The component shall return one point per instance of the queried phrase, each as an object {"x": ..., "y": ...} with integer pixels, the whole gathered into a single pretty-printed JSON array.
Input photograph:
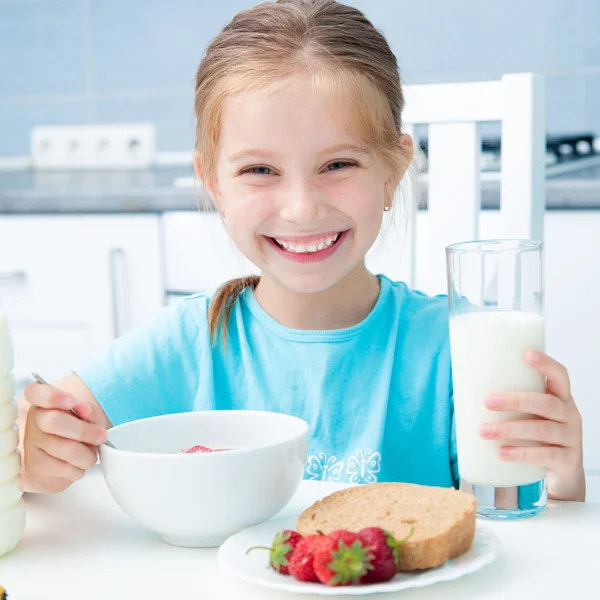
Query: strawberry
[
  {"x": 195, "y": 449},
  {"x": 301, "y": 565},
  {"x": 343, "y": 559},
  {"x": 281, "y": 549},
  {"x": 386, "y": 552},
  {"x": 384, "y": 562},
  {"x": 340, "y": 534}
]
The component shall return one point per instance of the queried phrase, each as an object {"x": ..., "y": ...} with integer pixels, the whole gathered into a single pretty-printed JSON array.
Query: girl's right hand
[{"x": 59, "y": 447}]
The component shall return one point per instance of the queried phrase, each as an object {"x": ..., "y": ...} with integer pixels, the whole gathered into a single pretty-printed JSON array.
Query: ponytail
[{"x": 222, "y": 303}]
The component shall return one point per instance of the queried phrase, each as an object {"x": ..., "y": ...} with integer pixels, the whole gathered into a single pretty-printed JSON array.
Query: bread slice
[{"x": 443, "y": 519}]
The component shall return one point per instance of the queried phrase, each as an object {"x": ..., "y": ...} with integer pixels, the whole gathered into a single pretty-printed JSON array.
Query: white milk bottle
[
  {"x": 12, "y": 507},
  {"x": 496, "y": 315}
]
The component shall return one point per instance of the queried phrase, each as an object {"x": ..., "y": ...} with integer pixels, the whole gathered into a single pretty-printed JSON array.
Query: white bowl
[{"x": 199, "y": 500}]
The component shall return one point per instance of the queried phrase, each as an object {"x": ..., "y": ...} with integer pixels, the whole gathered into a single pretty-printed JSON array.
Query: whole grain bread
[{"x": 443, "y": 519}]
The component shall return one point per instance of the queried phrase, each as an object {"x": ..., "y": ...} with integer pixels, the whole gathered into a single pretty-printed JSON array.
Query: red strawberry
[
  {"x": 280, "y": 551},
  {"x": 340, "y": 534},
  {"x": 342, "y": 560},
  {"x": 301, "y": 562},
  {"x": 195, "y": 449},
  {"x": 384, "y": 561},
  {"x": 386, "y": 551}
]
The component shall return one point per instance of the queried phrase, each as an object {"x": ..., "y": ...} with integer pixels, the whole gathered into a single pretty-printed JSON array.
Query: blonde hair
[{"x": 273, "y": 45}]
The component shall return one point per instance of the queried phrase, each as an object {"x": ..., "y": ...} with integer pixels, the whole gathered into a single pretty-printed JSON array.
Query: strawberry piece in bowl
[{"x": 196, "y": 449}]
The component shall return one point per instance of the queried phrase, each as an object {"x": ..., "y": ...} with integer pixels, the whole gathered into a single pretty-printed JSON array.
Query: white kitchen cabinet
[
  {"x": 40, "y": 265},
  {"x": 199, "y": 257},
  {"x": 71, "y": 284},
  {"x": 124, "y": 276}
]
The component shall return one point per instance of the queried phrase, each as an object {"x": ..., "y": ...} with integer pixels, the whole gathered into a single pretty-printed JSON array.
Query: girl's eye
[
  {"x": 339, "y": 164},
  {"x": 259, "y": 170},
  {"x": 263, "y": 170}
]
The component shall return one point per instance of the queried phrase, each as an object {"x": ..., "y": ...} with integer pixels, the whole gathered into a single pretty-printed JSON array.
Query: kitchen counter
[
  {"x": 550, "y": 556},
  {"x": 172, "y": 188},
  {"x": 129, "y": 191}
]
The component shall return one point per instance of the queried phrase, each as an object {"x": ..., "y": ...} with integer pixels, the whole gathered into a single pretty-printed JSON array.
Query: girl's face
[{"x": 300, "y": 197}]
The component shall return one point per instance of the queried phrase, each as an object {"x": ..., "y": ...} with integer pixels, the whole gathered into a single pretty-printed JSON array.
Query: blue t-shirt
[{"x": 377, "y": 396}]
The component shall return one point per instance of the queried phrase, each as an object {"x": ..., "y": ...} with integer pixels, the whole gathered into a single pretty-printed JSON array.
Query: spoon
[{"x": 41, "y": 380}]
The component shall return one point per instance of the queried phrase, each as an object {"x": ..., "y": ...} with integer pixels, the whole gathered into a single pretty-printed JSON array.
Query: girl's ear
[
  {"x": 198, "y": 168},
  {"x": 208, "y": 186},
  {"x": 408, "y": 146},
  {"x": 408, "y": 151}
]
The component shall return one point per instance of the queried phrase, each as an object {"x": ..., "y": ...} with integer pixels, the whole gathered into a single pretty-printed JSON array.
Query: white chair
[{"x": 454, "y": 114}]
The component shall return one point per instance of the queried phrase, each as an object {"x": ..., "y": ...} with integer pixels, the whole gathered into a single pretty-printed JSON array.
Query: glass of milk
[{"x": 495, "y": 291}]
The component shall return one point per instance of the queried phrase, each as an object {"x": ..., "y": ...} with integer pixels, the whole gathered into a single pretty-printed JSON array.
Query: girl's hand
[
  {"x": 559, "y": 429},
  {"x": 59, "y": 447}
]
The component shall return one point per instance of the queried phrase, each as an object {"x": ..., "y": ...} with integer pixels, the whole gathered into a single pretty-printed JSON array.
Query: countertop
[
  {"x": 172, "y": 188},
  {"x": 152, "y": 190},
  {"x": 80, "y": 544}
]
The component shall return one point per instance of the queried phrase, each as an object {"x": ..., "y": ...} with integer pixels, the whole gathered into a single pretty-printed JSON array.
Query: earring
[{"x": 387, "y": 204}]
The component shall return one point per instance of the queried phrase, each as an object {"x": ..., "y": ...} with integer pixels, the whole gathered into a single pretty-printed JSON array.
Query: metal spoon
[{"x": 41, "y": 380}]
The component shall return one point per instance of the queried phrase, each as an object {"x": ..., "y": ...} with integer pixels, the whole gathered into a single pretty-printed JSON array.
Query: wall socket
[{"x": 122, "y": 146}]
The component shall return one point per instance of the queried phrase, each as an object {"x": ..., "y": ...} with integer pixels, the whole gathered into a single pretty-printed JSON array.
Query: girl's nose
[{"x": 302, "y": 204}]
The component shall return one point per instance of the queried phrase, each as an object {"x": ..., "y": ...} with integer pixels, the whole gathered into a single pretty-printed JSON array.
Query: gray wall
[{"x": 87, "y": 61}]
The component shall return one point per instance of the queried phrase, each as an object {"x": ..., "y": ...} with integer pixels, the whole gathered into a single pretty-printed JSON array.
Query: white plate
[{"x": 254, "y": 567}]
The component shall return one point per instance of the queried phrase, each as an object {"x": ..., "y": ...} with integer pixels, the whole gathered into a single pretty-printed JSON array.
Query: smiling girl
[{"x": 300, "y": 145}]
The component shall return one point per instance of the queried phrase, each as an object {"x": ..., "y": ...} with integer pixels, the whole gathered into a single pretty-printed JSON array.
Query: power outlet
[{"x": 123, "y": 146}]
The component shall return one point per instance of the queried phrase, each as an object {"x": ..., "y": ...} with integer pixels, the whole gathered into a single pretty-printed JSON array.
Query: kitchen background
[
  {"x": 106, "y": 61},
  {"x": 87, "y": 254}
]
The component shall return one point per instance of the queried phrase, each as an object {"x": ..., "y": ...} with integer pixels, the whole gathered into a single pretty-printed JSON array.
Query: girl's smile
[{"x": 308, "y": 249}]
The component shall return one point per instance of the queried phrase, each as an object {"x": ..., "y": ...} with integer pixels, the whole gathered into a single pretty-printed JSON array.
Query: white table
[{"x": 79, "y": 544}]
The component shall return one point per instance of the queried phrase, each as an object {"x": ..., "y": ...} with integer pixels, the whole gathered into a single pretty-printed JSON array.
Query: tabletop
[{"x": 80, "y": 544}]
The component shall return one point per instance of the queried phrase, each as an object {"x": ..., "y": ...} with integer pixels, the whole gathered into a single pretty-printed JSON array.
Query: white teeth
[{"x": 310, "y": 247}]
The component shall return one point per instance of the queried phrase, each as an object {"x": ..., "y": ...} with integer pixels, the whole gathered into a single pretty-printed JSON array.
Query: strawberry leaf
[
  {"x": 395, "y": 544},
  {"x": 280, "y": 550},
  {"x": 349, "y": 564}
]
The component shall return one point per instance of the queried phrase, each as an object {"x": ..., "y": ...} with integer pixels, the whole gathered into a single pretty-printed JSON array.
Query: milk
[
  {"x": 12, "y": 508},
  {"x": 488, "y": 351}
]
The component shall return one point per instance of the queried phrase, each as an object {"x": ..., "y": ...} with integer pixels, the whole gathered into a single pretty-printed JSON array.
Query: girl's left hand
[{"x": 559, "y": 429}]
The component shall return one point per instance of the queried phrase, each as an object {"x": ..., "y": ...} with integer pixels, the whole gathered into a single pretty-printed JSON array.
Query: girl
[{"x": 300, "y": 145}]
